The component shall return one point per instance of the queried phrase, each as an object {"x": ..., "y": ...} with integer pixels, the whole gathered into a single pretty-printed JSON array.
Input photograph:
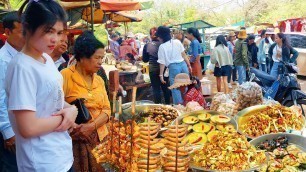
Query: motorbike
[{"x": 289, "y": 91}]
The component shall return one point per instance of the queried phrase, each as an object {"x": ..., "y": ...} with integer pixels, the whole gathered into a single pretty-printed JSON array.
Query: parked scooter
[{"x": 289, "y": 91}]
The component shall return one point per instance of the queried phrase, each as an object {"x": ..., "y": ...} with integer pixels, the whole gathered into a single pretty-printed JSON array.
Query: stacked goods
[
  {"x": 248, "y": 94},
  {"x": 271, "y": 119},
  {"x": 228, "y": 152},
  {"x": 176, "y": 157},
  {"x": 149, "y": 158},
  {"x": 119, "y": 148},
  {"x": 162, "y": 115}
]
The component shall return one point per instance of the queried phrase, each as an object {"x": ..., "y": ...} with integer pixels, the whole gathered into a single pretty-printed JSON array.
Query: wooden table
[{"x": 142, "y": 92}]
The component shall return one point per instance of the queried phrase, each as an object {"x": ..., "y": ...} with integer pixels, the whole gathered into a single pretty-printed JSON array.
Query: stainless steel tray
[
  {"x": 127, "y": 113},
  {"x": 196, "y": 113},
  {"x": 141, "y": 102},
  {"x": 298, "y": 140},
  {"x": 252, "y": 109}
]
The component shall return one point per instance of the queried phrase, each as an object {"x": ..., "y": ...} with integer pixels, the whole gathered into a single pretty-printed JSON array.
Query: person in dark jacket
[
  {"x": 252, "y": 51},
  {"x": 281, "y": 50},
  {"x": 241, "y": 56},
  {"x": 150, "y": 52}
]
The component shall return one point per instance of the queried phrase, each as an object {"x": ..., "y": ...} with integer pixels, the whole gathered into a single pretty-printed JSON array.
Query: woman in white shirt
[
  {"x": 37, "y": 110},
  {"x": 171, "y": 54}
]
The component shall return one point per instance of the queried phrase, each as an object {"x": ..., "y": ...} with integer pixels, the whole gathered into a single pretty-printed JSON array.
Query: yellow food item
[
  {"x": 190, "y": 120},
  {"x": 211, "y": 134},
  {"x": 220, "y": 119},
  {"x": 204, "y": 117},
  {"x": 272, "y": 119},
  {"x": 202, "y": 127},
  {"x": 228, "y": 152},
  {"x": 195, "y": 138}
]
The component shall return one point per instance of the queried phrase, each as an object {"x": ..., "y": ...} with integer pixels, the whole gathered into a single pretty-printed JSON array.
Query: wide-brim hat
[
  {"x": 270, "y": 31},
  {"x": 181, "y": 79},
  {"x": 161, "y": 31},
  {"x": 231, "y": 33},
  {"x": 242, "y": 34},
  {"x": 130, "y": 35}
]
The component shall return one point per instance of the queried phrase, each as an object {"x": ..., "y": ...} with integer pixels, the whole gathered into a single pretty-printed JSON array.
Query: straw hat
[
  {"x": 130, "y": 35},
  {"x": 242, "y": 34},
  {"x": 270, "y": 31},
  {"x": 181, "y": 79},
  {"x": 231, "y": 33}
]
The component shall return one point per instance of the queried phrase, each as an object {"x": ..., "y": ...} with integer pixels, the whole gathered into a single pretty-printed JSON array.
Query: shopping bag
[{"x": 271, "y": 92}]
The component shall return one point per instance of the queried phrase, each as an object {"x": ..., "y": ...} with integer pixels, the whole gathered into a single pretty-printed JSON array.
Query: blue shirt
[
  {"x": 195, "y": 50},
  {"x": 7, "y": 52}
]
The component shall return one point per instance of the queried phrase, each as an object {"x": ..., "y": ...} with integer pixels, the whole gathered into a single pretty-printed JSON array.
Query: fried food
[
  {"x": 273, "y": 119},
  {"x": 228, "y": 152}
]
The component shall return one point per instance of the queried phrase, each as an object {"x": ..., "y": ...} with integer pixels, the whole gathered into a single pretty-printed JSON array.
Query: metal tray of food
[
  {"x": 199, "y": 169},
  {"x": 298, "y": 140},
  {"x": 141, "y": 102},
  {"x": 127, "y": 113},
  {"x": 196, "y": 113},
  {"x": 247, "y": 111}
]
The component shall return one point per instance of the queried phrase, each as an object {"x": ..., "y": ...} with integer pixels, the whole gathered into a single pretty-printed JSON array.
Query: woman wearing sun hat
[
  {"x": 190, "y": 89},
  {"x": 241, "y": 58}
]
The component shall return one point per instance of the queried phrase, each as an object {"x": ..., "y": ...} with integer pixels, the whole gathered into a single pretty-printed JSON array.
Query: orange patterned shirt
[{"x": 96, "y": 100}]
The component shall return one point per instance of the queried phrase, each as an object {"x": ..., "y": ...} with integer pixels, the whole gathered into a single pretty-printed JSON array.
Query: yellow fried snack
[
  {"x": 273, "y": 119},
  {"x": 190, "y": 120},
  {"x": 204, "y": 116},
  {"x": 228, "y": 152}
]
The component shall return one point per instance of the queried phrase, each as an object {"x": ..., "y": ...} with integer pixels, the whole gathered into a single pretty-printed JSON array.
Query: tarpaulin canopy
[
  {"x": 119, "y": 5},
  {"x": 102, "y": 17},
  {"x": 75, "y": 4}
]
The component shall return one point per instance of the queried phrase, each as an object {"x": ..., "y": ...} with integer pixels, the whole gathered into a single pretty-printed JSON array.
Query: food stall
[{"x": 242, "y": 131}]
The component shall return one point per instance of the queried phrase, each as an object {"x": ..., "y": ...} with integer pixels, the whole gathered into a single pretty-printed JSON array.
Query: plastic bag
[
  {"x": 248, "y": 94},
  {"x": 217, "y": 100}
]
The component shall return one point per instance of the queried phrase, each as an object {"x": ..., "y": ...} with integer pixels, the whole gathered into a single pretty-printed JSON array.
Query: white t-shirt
[
  {"x": 274, "y": 55},
  {"x": 32, "y": 85},
  {"x": 170, "y": 52}
]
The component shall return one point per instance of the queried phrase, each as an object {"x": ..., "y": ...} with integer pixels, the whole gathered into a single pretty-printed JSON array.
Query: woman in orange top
[{"x": 81, "y": 81}]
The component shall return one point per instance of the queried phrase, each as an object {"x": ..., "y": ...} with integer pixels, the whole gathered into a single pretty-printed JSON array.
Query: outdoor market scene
[{"x": 152, "y": 85}]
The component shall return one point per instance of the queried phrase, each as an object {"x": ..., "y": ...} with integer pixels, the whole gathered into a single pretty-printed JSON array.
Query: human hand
[
  {"x": 162, "y": 79},
  {"x": 255, "y": 65},
  {"x": 9, "y": 144},
  {"x": 247, "y": 69},
  {"x": 85, "y": 130},
  {"x": 69, "y": 115}
]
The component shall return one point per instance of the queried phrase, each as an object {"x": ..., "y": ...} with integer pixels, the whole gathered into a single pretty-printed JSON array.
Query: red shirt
[{"x": 194, "y": 95}]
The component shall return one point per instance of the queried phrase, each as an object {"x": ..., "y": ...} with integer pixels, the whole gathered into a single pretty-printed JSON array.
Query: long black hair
[
  {"x": 221, "y": 40},
  {"x": 284, "y": 40},
  {"x": 41, "y": 13},
  {"x": 195, "y": 32},
  {"x": 163, "y": 33}
]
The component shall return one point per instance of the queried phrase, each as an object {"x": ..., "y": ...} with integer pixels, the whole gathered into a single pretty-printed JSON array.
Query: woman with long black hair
[
  {"x": 171, "y": 54},
  {"x": 195, "y": 51},
  {"x": 223, "y": 61},
  {"x": 38, "y": 113},
  {"x": 281, "y": 50}
]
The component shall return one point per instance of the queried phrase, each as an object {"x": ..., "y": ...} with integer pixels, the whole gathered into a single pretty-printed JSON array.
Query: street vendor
[{"x": 189, "y": 88}]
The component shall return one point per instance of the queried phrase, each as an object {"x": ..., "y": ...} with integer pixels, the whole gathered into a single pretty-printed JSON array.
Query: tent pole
[{"x": 92, "y": 15}]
